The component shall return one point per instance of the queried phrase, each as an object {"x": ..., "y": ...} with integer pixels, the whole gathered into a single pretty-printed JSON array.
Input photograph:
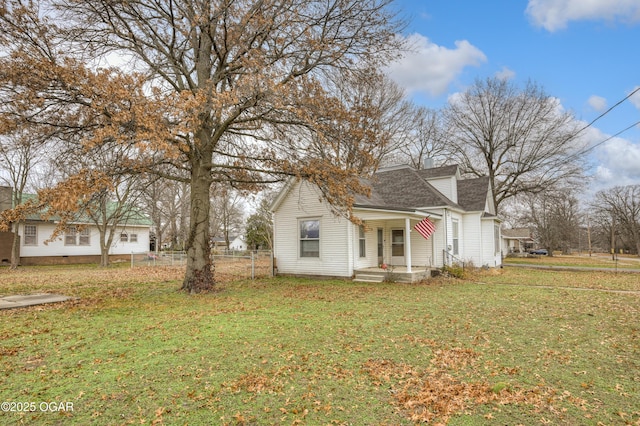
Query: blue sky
[{"x": 585, "y": 53}]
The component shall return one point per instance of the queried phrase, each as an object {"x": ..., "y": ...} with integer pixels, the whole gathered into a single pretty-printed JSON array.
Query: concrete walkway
[{"x": 21, "y": 301}]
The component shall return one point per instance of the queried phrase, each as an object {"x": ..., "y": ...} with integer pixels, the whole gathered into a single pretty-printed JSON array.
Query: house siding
[
  {"x": 447, "y": 186},
  {"x": 335, "y": 256},
  {"x": 473, "y": 239},
  {"x": 371, "y": 244},
  {"x": 492, "y": 258}
]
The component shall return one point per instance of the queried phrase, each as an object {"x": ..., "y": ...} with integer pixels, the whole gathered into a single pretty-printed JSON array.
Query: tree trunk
[
  {"x": 104, "y": 247},
  {"x": 199, "y": 276},
  {"x": 104, "y": 257},
  {"x": 15, "y": 247}
]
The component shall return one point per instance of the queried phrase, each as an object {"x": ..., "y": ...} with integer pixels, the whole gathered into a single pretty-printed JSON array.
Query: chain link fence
[{"x": 228, "y": 265}]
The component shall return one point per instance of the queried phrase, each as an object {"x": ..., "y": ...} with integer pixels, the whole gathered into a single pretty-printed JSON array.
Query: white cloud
[
  {"x": 598, "y": 103},
  {"x": 554, "y": 15},
  {"x": 430, "y": 68},
  {"x": 505, "y": 74},
  {"x": 619, "y": 163}
]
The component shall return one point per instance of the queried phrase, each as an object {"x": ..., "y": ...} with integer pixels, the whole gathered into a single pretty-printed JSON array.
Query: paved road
[{"x": 21, "y": 301}]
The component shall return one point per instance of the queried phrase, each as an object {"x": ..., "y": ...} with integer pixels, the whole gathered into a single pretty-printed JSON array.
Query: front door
[{"x": 397, "y": 247}]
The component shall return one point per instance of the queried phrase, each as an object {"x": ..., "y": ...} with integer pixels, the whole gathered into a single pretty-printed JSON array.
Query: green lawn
[{"x": 499, "y": 348}]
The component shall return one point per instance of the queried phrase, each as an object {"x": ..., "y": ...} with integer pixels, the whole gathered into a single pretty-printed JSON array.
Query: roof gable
[
  {"x": 403, "y": 187},
  {"x": 472, "y": 193}
]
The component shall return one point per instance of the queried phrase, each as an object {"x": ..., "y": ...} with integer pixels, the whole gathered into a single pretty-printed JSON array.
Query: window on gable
[
  {"x": 30, "y": 235},
  {"x": 70, "y": 236},
  {"x": 310, "y": 238}
]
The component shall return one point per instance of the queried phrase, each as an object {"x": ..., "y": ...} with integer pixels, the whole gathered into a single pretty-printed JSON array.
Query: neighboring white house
[
  {"x": 517, "y": 240},
  {"x": 80, "y": 243},
  {"x": 310, "y": 240},
  {"x": 238, "y": 244}
]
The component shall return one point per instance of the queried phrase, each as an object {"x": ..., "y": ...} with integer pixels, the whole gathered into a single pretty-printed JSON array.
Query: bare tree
[
  {"x": 20, "y": 153},
  {"x": 554, "y": 215},
  {"x": 618, "y": 211},
  {"x": 229, "y": 91},
  {"x": 427, "y": 139},
  {"x": 521, "y": 139},
  {"x": 227, "y": 217},
  {"x": 167, "y": 202}
]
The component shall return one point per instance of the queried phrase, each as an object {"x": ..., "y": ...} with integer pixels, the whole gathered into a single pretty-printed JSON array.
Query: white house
[
  {"x": 517, "y": 240},
  {"x": 238, "y": 244},
  {"x": 310, "y": 240},
  {"x": 80, "y": 242}
]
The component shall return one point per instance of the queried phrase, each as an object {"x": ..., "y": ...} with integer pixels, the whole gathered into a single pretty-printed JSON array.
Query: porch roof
[{"x": 401, "y": 212}]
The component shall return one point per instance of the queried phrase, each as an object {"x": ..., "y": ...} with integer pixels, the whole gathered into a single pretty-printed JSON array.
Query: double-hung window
[
  {"x": 70, "y": 236},
  {"x": 30, "y": 235},
  {"x": 74, "y": 236},
  {"x": 84, "y": 239},
  {"x": 455, "y": 227},
  {"x": 362, "y": 241},
  {"x": 309, "y": 238}
]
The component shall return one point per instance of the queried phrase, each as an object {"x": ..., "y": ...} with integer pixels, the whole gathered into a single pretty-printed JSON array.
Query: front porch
[{"x": 398, "y": 274}]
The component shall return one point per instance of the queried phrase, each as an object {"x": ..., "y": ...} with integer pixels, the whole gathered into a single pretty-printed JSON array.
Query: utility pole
[
  {"x": 589, "y": 234},
  {"x": 613, "y": 238}
]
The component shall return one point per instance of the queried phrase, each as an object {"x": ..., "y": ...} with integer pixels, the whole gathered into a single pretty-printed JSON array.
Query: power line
[
  {"x": 584, "y": 151},
  {"x": 637, "y": 89}
]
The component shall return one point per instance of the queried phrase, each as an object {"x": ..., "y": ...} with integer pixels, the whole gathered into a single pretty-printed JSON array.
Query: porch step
[{"x": 369, "y": 278}]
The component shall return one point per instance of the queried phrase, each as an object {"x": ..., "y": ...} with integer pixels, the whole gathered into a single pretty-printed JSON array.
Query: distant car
[{"x": 542, "y": 252}]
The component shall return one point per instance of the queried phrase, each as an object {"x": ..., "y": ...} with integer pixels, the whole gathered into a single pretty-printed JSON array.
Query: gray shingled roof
[
  {"x": 472, "y": 193},
  {"x": 407, "y": 188},
  {"x": 436, "y": 172}
]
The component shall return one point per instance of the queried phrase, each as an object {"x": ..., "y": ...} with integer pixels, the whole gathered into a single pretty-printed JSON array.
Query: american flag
[{"x": 425, "y": 228}]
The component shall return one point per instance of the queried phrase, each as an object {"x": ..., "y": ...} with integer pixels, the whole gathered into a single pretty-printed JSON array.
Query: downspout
[
  {"x": 446, "y": 240},
  {"x": 350, "y": 248},
  {"x": 274, "y": 260},
  {"x": 407, "y": 227}
]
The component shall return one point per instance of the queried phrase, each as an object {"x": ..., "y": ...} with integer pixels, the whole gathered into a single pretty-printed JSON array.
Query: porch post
[{"x": 407, "y": 242}]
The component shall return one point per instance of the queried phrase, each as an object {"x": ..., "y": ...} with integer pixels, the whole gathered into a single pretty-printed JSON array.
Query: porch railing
[{"x": 450, "y": 259}]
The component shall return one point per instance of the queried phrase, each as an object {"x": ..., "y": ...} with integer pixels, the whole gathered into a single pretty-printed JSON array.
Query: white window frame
[
  {"x": 304, "y": 239},
  {"x": 70, "y": 236},
  {"x": 133, "y": 238},
  {"x": 28, "y": 236},
  {"x": 124, "y": 237},
  {"x": 496, "y": 237},
  {"x": 362, "y": 242},
  {"x": 84, "y": 237},
  {"x": 455, "y": 236}
]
